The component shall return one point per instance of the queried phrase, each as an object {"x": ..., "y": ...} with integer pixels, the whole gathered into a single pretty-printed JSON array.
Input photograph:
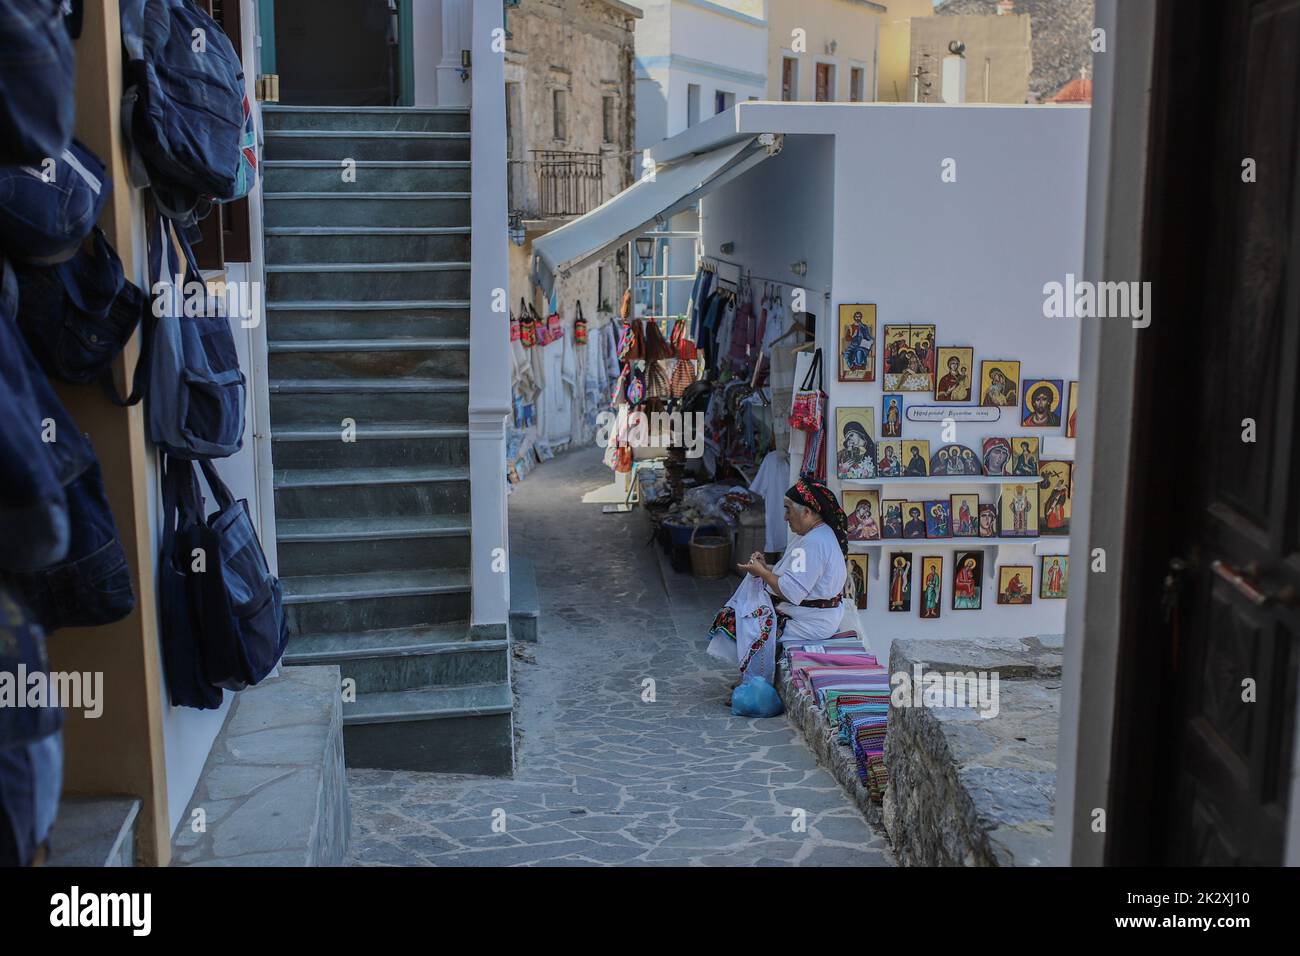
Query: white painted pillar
[
  {"x": 489, "y": 346},
  {"x": 456, "y": 25}
]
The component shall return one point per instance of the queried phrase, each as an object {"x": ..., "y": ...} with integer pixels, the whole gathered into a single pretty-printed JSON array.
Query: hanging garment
[
  {"x": 555, "y": 416},
  {"x": 772, "y": 479}
]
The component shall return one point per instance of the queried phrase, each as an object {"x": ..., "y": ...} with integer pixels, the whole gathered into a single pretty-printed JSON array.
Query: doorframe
[{"x": 406, "y": 39}]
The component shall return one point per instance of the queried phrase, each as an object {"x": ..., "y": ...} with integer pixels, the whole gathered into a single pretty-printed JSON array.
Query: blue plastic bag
[{"x": 755, "y": 698}]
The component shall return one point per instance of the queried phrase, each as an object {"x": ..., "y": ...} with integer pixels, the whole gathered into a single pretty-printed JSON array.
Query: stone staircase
[{"x": 368, "y": 324}]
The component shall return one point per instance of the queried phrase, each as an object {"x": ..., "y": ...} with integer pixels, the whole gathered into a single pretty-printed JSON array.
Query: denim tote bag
[
  {"x": 22, "y": 645},
  {"x": 38, "y": 72},
  {"x": 46, "y": 213},
  {"x": 90, "y": 584},
  {"x": 34, "y": 521},
  {"x": 77, "y": 316},
  {"x": 241, "y": 603}
]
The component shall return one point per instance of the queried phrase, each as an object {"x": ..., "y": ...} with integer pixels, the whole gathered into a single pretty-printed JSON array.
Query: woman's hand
[{"x": 756, "y": 565}]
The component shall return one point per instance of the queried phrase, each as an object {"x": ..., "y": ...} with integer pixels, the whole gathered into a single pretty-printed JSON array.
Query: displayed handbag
[
  {"x": 527, "y": 325},
  {"x": 38, "y": 73},
  {"x": 814, "y": 455},
  {"x": 223, "y": 617},
  {"x": 45, "y": 213},
  {"x": 77, "y": 316},
  {"x": 188, "y": 367},
  {"x": 806, "y": 411},
  {"x": 656, "y": 347},
  {"x": 631, "y": 342},
  {"x": 579, "y": 326},
  {"x": 185, "y": 112},
  {"x": 681, "y": 344}
]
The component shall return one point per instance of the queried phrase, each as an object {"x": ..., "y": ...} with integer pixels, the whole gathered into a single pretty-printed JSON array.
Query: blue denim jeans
[{"x": 37, "y": 79}]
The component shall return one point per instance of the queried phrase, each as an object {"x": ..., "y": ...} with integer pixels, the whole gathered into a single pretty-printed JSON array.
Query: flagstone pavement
[{"x": 626, "y": 753}]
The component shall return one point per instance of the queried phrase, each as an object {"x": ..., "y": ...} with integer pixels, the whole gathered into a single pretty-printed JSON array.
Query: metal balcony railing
[{"x": 556, "y": 183}]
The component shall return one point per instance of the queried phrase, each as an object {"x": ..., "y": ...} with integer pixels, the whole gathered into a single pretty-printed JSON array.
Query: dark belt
[{"x": 822, "y": 602}]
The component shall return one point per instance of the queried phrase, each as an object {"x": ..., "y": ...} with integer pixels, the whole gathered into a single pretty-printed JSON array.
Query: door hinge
[{"x": 267, "y": 88}]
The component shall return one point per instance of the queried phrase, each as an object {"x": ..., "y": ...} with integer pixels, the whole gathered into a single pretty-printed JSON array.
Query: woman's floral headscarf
[{"x": 814, "y": 494}]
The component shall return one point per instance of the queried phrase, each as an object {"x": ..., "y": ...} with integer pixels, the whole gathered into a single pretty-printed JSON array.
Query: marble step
[
  {"x": 327, "y": 175},
  {"x": 359, "y": 319},
  {"x": 367, "y": 209},
  {"x": 369, "y": 358},
  {"x": 406, "y": 658},
  {"x": 328, "y": 544},
  {"x": 375, "y": 600},
  {"x": 366, "y": 118},
  {"x": 338, "y": 145},
  {"x": 368, "y": 401},
  {"x": 376, "y": 445},
  {"x": 363, "y": 491},
  {"x": 466, "y": 729},
  {"x": 372, "y": 281},
  {"x": 355, "y": 244}
]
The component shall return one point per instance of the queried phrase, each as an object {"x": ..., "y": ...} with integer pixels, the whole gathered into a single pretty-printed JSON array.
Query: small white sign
[{"x": 958, "y": 413}]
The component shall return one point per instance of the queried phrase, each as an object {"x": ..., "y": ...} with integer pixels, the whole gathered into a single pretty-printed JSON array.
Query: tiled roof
[{"x": 1078, "y": 90}]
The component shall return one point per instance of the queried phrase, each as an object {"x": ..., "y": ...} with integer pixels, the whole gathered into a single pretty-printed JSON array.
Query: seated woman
[{"x": 807, "y": 584}]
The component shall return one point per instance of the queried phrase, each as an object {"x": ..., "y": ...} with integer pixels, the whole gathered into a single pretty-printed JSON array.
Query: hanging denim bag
[
  {"x": 185, "y": 114},
  {"x": 77, "y": 316},
  {"x": 188, "y": 365},
  {"x": 45, "y": 213},
  {"x": 33, "y": 506},
  {"x": 38, "y": 73}
]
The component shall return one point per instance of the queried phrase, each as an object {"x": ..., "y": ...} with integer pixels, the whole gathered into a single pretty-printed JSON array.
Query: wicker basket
[
  {"x": 750, "y": 537},
  {"x": 710, "y": 555}
]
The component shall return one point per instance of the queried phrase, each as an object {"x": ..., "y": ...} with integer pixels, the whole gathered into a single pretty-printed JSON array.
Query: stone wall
[{"x": 966, "y": 790}]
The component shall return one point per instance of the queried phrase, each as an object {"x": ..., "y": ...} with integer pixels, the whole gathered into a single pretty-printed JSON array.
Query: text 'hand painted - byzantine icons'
[
  {"x": 891, "y": 417},
  {"x": 1019, "y": 511},
  {"x": 863, "y": 509},
  {"x": 1054, "y": 576},
  {"x": 999, "y": 383},
  {"x": 855, "y": 453},
  {"x": 1016, "y": 584},
  {"x": 900, "y": 581},
  {"x": 909, "y": 355},
  {"x": 1054, "y": 497},
  {"x": 1042, "y": 403},
  {"x": 855, "y": 586},
  {"x": 857, "y": 343},
  {"x": 955, "y": 368},
  {"x": 954, "y": 460},
  {"x": 931, "y": 587},
  {"x": 967, "y": 580}
]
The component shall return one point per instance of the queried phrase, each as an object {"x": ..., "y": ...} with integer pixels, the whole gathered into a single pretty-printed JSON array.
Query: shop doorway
[
  {"x": 340, "y": 52},
  {"x": 1212, "y": 633}
]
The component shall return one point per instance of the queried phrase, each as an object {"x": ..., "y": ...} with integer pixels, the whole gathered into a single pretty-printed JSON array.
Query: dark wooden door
[{"x": 1235, "y": 650}]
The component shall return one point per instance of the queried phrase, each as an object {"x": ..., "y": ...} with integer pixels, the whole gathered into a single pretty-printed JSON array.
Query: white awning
[{"x": 675, "y": 186}]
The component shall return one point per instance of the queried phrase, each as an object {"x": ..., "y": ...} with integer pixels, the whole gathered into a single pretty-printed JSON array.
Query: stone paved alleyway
[{"x": 605, "y": 777}]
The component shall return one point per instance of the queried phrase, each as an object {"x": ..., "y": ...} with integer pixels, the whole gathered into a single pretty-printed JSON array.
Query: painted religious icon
[
  {"x": 1019, "y": 513},
  {"x": 938, "y": 520},
  {"x": 1054, "y": 576},
  {"x": 967, "y": 580},
  {"x": 909, "y": 355},
  {"x": 1072, "y": 411},
  {"x": 988, "y": 521},
  {"x": 892, "y": 517},
  {"x": 855, "y": 454},
  {"x": 965, "y": 515},
  {"x": 931, "y": 587},
  {"x": 997, "y": 456},
  {"x": 914, "y": 519},
  {"x": 890, "y": 461},
  {"x": 954, "y": 366},
  {"x": 999, "y": 383},
  {"x": 857, "y": 343},
  {"x": 954, "y": 460},
  {"x": 916, "y": 458},
  {"x": 1042, "y": 405},
  {"x": 891, "y": 417},
  {"x": 900, "y": 581},
  {"x": 1015, "y": 584},
  {"x": 1024, "y": 457},
  {"x": 1054, "y": 497},
  {"x": 855, "y": 587},
  {"x": 863, "y": 509}
]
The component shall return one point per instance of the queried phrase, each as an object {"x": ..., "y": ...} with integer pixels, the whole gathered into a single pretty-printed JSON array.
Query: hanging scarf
[{"x": 814, "y": 494}]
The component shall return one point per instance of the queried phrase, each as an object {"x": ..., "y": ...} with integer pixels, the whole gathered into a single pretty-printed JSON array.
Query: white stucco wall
[{"x": 969, "y": 256}]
